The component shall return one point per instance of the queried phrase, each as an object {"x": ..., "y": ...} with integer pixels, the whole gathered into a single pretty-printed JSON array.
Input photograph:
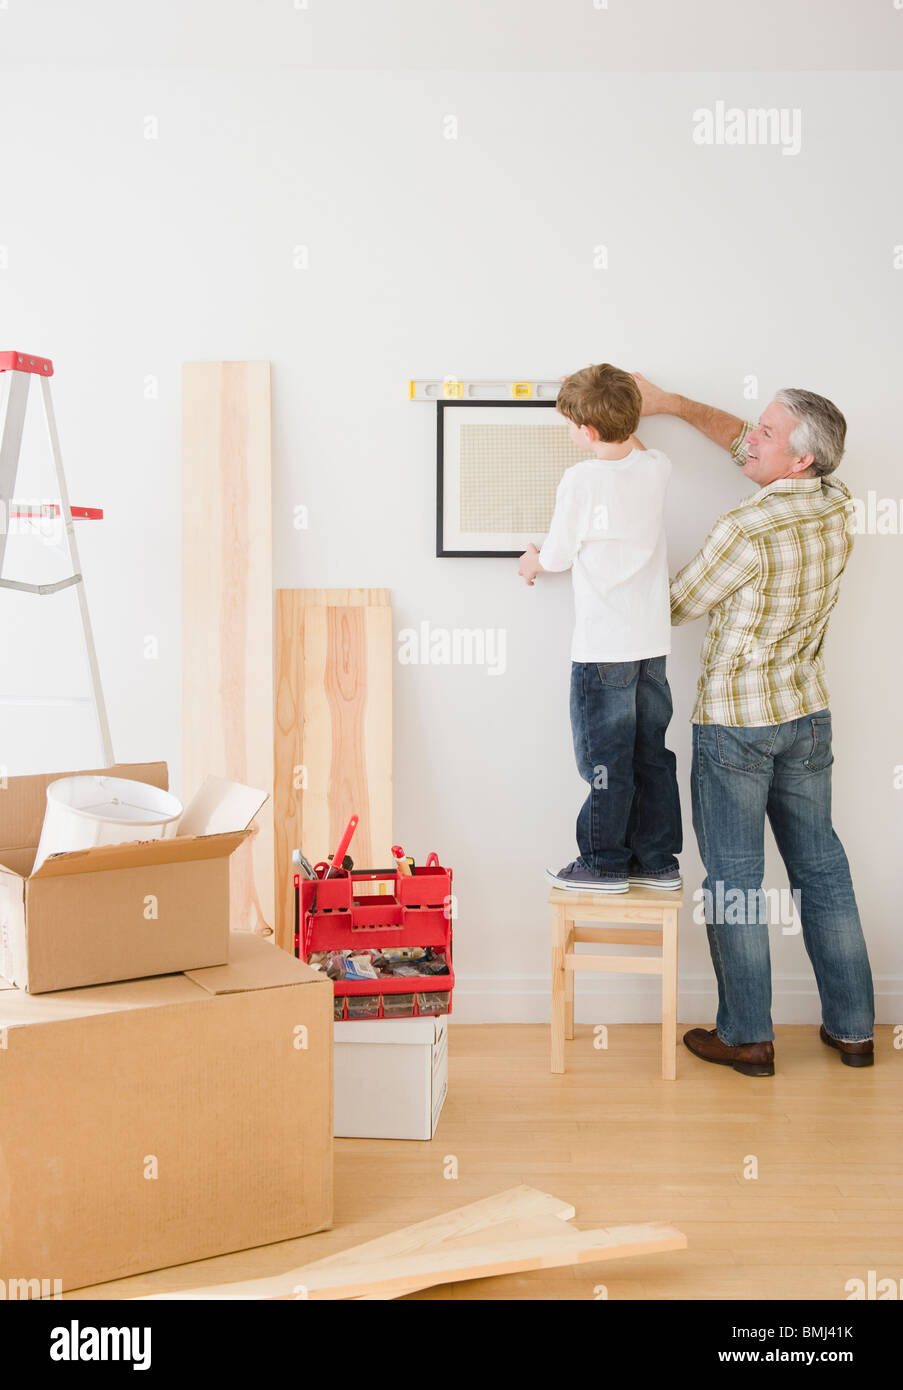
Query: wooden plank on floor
[
  {"x": 520, "y": 1229},
  {"x": 227, "y": 605},
  {"x": 333, "y": 731}
]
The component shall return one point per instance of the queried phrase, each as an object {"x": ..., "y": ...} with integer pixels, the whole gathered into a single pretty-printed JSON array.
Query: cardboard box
[
  {"x": 391, "y": 1077},
  {"x": 115, "y": 912},
  {"x": 158, "y": 1121}
]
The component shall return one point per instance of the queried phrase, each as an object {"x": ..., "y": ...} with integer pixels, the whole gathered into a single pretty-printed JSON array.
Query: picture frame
[{"x": 498, "y": 465}]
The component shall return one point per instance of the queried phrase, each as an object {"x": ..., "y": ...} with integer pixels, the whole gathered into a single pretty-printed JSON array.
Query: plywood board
[
  {"x": 517, "y": 1230},
  {"x": 333, "y": 731},
  {"x": 491, "y": 1213},
  {"x": 227, "y": 605}
]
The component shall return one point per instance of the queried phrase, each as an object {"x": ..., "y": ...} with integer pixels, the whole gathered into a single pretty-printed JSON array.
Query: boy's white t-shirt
[{"x": 608, "y": 529}]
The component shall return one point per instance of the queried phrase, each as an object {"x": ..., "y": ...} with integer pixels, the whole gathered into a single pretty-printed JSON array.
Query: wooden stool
[{"x": 654, "y": 905}]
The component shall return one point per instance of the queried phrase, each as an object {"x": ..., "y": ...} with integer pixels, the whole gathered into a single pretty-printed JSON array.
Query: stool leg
[
  {"x": 559, "y": 939},
  {"x": 569, "y": 987},
  {"x": 669, "y": 996}
]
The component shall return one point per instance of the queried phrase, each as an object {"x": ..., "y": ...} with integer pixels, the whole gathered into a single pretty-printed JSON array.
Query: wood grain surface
[
  {"x": 333, "y": 731},
  {"x": 516, "y": 1230},
  {"x": 227, "y": 605}
]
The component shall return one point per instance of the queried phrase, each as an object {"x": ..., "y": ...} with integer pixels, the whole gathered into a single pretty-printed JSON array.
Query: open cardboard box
[
  {"x": 153, "y": 1122},
  {"x": 114, "y": 912}
]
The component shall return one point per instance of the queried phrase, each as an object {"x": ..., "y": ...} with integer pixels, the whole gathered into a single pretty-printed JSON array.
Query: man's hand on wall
[
  {"x": 655, "y": 400},
  {"x": 718, "y": 425}
]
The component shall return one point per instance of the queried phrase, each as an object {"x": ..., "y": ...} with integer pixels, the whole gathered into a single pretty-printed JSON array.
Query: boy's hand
[
  {"x": 655, "y": 400},
  {"x": 529, "y": 566}
]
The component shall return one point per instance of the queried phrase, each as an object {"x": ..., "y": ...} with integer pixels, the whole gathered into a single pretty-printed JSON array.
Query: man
[{"x": 768, "y": 575}]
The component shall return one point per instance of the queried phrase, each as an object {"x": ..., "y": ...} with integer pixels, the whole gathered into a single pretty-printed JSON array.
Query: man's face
[{"x": 767, "y": 456}]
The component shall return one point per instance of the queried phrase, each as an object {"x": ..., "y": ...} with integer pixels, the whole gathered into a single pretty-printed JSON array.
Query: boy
[{"x": 608, "y": 529}]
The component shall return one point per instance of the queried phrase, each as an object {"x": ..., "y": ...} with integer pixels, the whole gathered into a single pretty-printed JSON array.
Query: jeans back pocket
[
  {"x": 618, "y": 673},
  {"x": 655, "y": 668},
  {"x": 745, "y": 750}
]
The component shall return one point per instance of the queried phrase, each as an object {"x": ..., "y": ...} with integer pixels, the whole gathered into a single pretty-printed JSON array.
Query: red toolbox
[{"x": 415, "y": 910}]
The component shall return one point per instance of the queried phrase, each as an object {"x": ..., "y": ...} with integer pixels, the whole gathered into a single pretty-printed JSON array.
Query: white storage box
[{"x": 391, "y": 1077}]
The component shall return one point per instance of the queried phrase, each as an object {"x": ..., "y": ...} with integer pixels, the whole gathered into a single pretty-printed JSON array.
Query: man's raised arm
[{"x": 718, "y": 425}]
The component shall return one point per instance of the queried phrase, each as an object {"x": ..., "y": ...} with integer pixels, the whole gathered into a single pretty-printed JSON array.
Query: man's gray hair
[{"x": 820, "y": 429}]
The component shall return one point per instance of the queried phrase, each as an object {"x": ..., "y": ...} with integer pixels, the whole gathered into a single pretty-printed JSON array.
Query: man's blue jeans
[
  {"x": 782, "y": 771},
  {"x": 631, "y": 818}
]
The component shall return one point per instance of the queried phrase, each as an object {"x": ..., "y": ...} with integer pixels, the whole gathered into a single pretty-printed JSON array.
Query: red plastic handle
[
  {"x": 343, "y": 844},
  {"x": 432, "y": 860}
]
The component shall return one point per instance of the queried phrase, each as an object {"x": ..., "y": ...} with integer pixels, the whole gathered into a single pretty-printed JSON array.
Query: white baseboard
[{"x": 636, "y": 999}]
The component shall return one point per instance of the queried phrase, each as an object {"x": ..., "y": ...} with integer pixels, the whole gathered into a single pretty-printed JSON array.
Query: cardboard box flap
[
  {"x": 24, "y": 801},
  {"x": 20, "y": 1009},
  {"x": 140, "y": 854},
  {"x": 255, "y": 964},
  {"x": 219, "y": 806},
  {"x": 16, "y": 861}
]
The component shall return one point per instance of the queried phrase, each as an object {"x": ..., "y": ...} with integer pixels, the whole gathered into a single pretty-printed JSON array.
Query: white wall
[{"x": 127, "y": 256}]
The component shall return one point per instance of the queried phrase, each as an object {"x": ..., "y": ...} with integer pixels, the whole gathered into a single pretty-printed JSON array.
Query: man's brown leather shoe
[
  {"x": 752, "y": 1059},
  {"x": 854, "y": 1054}
]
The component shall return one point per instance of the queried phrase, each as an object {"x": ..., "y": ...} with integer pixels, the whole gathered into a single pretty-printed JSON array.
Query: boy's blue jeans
[
  {"x": 631, "y": 818},
  {"x": 783, "y": 771}
]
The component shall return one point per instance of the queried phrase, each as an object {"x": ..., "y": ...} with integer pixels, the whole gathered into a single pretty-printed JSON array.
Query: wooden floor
[{"x": 624, "y": 1146}]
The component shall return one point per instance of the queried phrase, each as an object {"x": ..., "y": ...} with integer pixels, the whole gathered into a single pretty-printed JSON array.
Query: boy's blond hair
[{"x": 604, "y": 397}]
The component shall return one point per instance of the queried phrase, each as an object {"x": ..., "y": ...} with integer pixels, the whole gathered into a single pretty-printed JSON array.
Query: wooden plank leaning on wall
[
  {"x": 227, "y": 605},
  {"x": 333, "y": 731}
]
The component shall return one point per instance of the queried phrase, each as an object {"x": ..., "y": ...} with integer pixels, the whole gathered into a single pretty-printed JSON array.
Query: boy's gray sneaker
[
  {"x": 656, "y": 878},
  {"x": 583, "y": 880}
]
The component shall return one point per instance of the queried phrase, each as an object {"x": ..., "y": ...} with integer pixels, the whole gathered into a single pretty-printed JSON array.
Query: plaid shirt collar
[
  {"x": 792, "y": 485},
  {"x": 801, "y": 486}
]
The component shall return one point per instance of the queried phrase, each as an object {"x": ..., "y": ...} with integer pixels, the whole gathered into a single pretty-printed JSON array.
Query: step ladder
[{"x": 22, "y": 367}]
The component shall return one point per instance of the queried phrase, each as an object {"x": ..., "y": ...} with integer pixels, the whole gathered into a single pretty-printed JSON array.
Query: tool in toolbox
[
  {"x": 401, "y": 860},
  {"x": 339, "y": 857},
  {"x": 22, "y": 366},
  {"x": 304, "y": 864},
  {"x": 331, "y": 917}
]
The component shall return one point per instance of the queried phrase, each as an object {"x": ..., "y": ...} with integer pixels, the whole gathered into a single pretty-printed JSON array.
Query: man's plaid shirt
[{"x": 768, "y": 575}]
